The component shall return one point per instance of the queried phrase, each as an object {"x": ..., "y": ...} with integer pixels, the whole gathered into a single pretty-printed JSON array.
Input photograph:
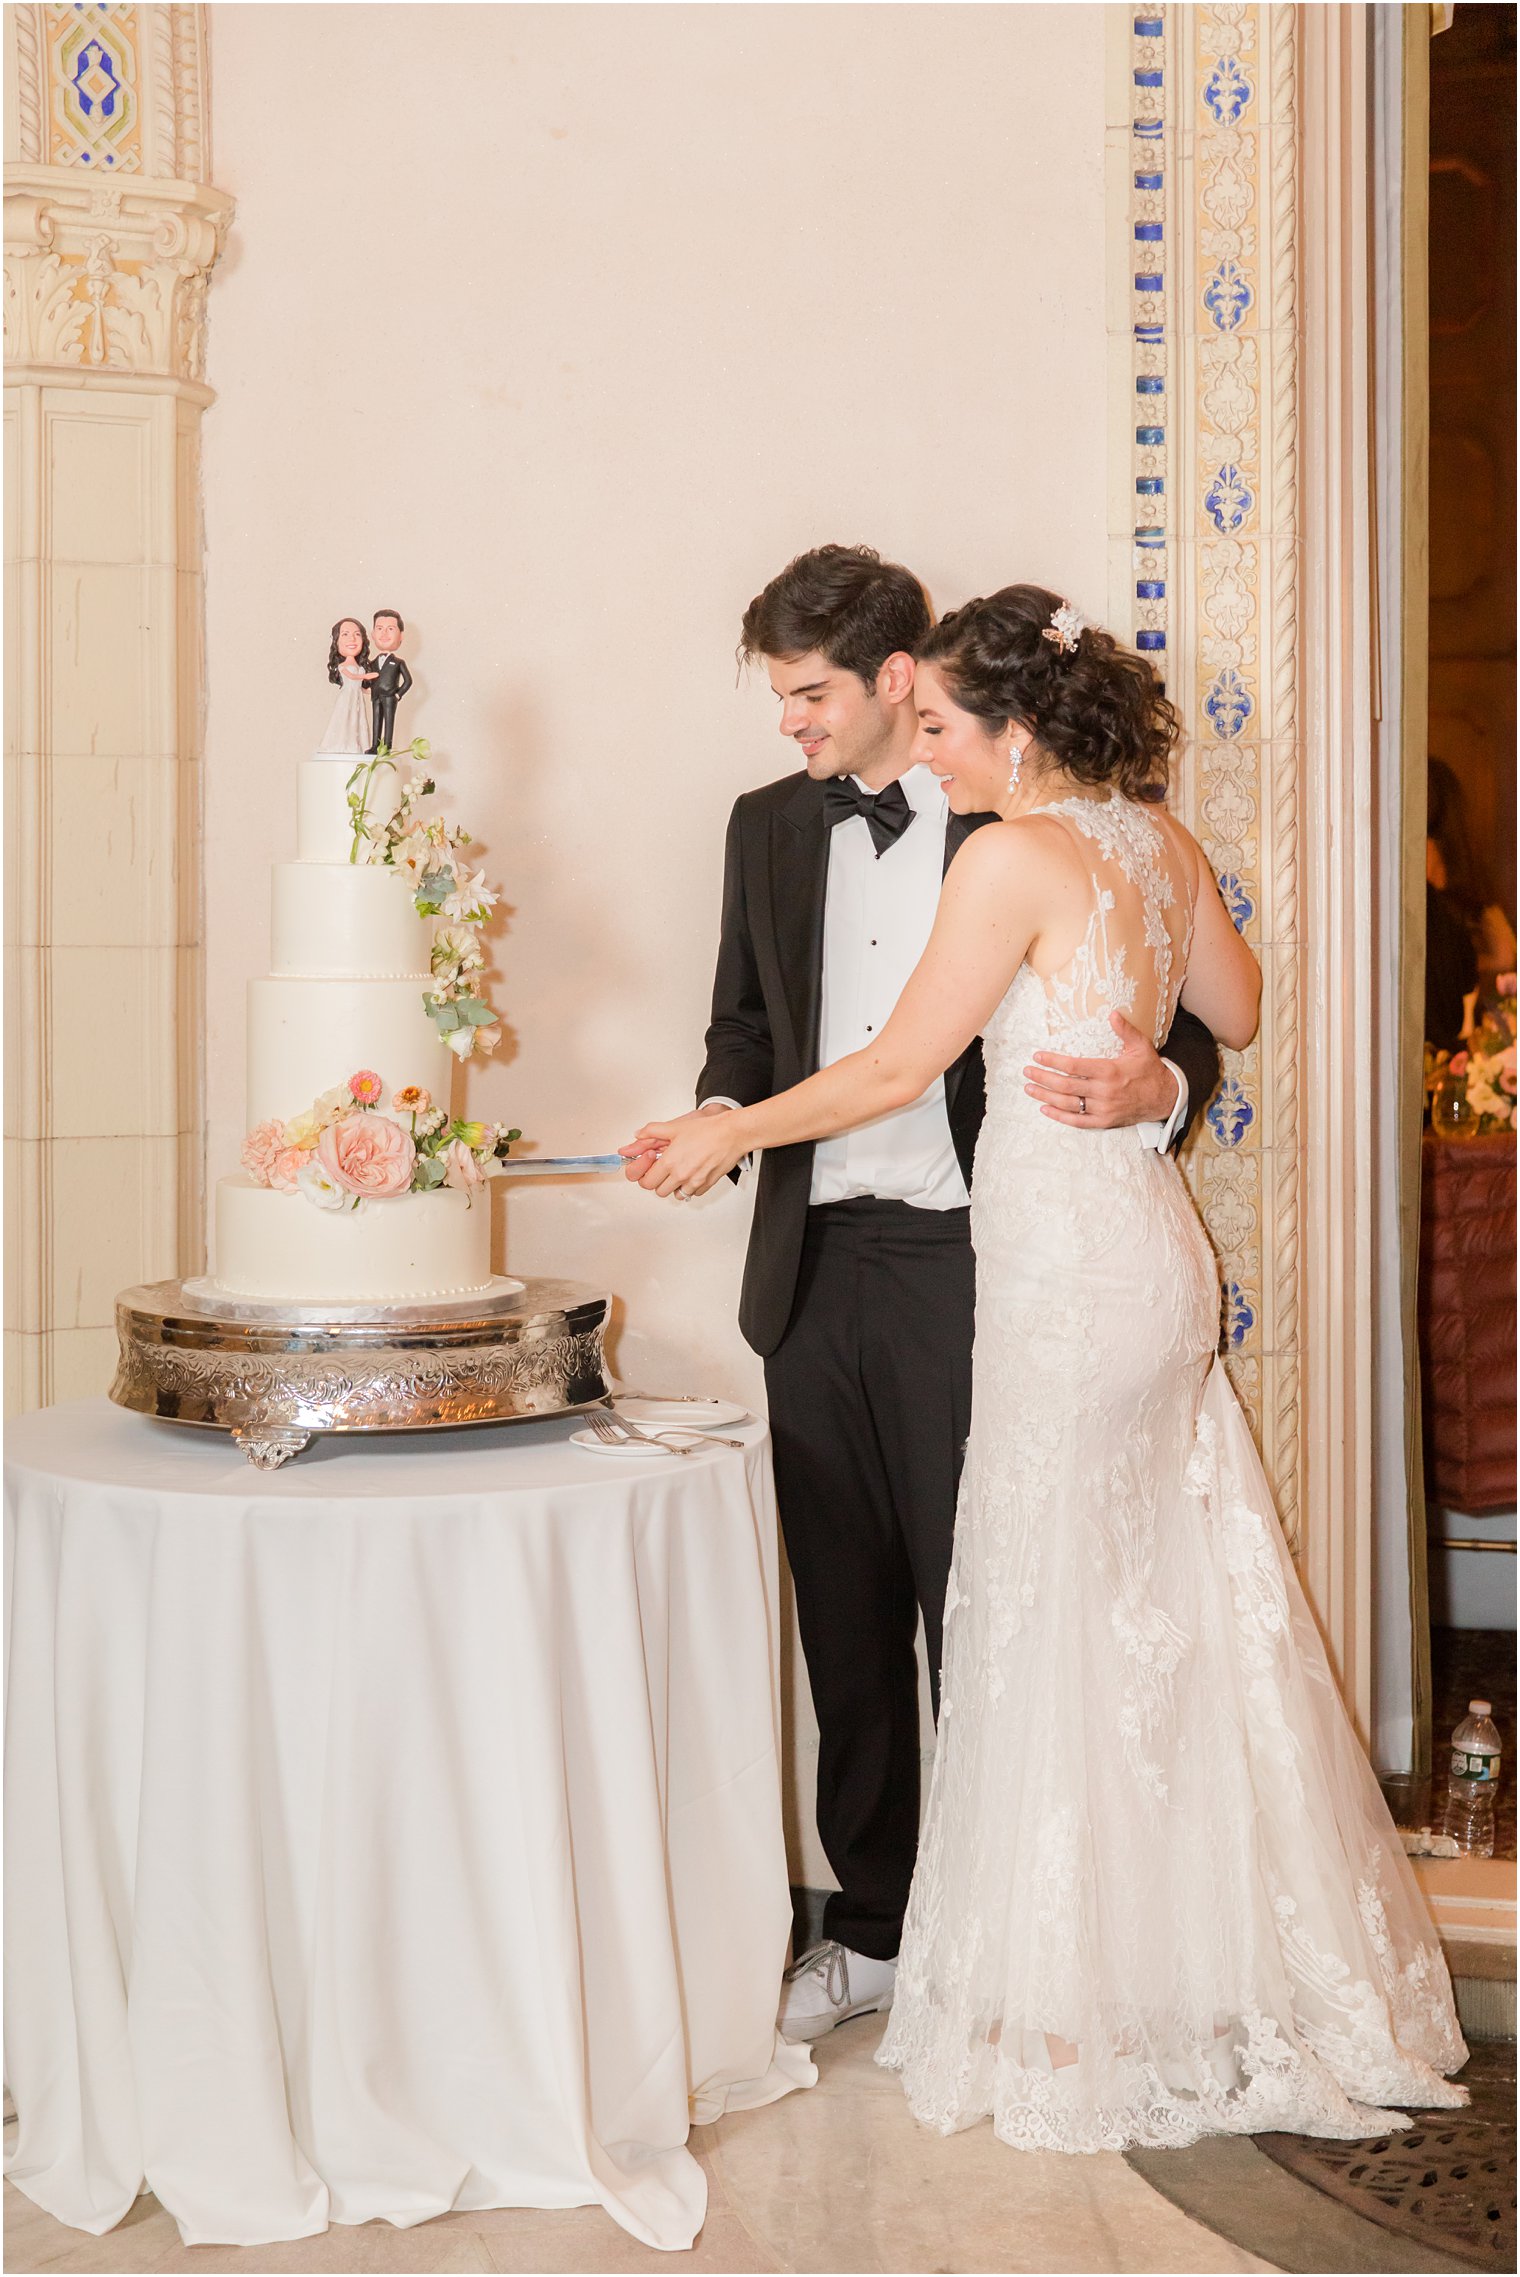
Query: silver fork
[
  {"x": 621, "y": 1428},
  {"x": 614, "y": 1433}
]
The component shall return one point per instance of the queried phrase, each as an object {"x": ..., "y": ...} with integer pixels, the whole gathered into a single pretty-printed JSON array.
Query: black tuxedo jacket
[
  {"x": 393, "y": 677},
  {"x": 767, "y": 1002}
]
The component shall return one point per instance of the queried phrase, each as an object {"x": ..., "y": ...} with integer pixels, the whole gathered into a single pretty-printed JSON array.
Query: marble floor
[{"x": 840, "y": 2178}]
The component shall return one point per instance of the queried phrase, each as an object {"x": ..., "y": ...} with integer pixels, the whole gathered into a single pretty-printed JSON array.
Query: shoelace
[{"x": 830, "y": 1962}]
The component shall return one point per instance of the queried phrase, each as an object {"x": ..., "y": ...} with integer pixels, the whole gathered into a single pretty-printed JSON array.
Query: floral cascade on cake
[
  {"x": 340, "y": 1151},
  {"x": 368, "y": 1189}
]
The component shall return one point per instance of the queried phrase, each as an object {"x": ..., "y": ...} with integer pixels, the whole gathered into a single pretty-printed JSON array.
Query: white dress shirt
[{"x": 878, "y": 915}]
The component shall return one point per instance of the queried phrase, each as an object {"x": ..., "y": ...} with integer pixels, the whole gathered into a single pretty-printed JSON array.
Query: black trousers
[
  {"x": 870, "y": 1404},
  {"x": 383, "y": 717}
]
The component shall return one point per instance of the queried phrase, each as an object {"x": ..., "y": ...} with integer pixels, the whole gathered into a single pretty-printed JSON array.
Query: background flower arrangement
[
  {"x": 1479, "y": 1079},
  {"x": 344, "y": 1149},
  {"x": 427, "y": 852}
]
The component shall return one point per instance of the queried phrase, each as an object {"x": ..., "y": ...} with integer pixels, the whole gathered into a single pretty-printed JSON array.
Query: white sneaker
[{"x": 827, "y": 1985}]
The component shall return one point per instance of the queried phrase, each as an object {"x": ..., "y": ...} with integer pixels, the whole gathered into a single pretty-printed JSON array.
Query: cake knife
[{"x": 557, "y": 1165}]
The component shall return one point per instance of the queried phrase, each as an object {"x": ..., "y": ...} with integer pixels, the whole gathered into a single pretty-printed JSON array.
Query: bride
[{"x": 1158, "y": 1893}]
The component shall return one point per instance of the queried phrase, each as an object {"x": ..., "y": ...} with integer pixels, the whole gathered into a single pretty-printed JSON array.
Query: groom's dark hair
[{"x": 845, "y": 601}]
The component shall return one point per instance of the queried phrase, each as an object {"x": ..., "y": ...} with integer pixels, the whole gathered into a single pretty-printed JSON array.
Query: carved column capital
[
  {"x": 110, "y": 234},
  {"x": 109, "y": 275}
]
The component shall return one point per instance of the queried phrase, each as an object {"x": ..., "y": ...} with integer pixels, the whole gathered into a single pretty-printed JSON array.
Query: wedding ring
[
  {"x": 680, "y": 1194},
  {"x": 1081, "y": 1104}
]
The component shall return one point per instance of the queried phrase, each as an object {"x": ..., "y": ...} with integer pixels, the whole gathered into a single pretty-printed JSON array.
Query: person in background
[{"x": 1469, "y": 937}]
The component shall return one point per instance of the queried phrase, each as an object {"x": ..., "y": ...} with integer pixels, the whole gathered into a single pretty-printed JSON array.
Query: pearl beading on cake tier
[{"x": 408, "y": 1249}]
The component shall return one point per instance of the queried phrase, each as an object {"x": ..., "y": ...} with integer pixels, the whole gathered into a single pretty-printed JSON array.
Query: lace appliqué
[{"x": 1158, "y": 1892}]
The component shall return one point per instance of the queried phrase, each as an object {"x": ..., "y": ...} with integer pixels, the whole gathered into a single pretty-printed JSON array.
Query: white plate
[
  {"x": 639, "y": 1450},
  {"x": 681, "y": 1414}
]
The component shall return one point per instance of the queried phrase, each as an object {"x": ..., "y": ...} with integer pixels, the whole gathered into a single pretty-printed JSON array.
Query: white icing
[
  {"x": 324, "y": 832},
  {"x": 411, "y": 1247},
  {"x": 340, "y": 921},
  {"x": 306, "y": 1035}
]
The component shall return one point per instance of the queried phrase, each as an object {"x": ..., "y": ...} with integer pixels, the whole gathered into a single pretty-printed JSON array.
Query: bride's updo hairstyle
[{"x": 1094, "y": 707}]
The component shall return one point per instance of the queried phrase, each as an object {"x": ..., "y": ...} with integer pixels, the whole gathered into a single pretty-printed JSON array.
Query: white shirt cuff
[
  {"x": 746, "y": 1162},
  {"x": 1161, "y": 1135}
]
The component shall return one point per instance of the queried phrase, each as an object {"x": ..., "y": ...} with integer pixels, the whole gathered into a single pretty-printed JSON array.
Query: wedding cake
[{"x": 359, "y": 1184}]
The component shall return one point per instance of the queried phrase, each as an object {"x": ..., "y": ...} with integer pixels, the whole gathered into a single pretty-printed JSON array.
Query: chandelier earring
[{"x": 1015, "y": 763}]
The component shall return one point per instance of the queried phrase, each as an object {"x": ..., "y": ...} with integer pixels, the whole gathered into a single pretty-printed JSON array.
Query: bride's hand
[{"x": 683, "y": 1158}]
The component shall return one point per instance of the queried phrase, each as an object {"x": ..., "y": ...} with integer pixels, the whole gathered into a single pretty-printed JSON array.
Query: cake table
[{"x": 392, "y": 1833}]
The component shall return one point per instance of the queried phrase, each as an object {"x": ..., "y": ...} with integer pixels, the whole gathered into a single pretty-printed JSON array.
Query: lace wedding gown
[
  {"x": 1158, "y": 1894},
  {"x": 348, "y": 728}
]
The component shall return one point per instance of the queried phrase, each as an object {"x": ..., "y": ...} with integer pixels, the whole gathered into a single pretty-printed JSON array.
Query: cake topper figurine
[
  {"x": 349, "y": 669},
  {"x": 392, "y": 678}
]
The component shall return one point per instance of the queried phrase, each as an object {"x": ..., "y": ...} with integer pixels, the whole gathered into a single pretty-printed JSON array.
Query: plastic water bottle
[{"x": 1475, "y": 1756}]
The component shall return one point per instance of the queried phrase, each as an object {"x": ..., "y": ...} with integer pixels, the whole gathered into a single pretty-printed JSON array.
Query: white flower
[
  {"x": 1066, "y": 628},
  {"x": 332, "y": 1104},
  {"x": 471, "y": 896},
  {"x": 314, "y": 1182},
  {"x": 427, "y": 1124},
  {"x": 460, "y": 1167},
  {"x": 461, "y": 1040},
  {"x": 454, "y": 945}
]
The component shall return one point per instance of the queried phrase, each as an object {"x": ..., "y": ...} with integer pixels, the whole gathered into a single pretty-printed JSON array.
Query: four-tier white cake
[{"x": 351, "y": 961}]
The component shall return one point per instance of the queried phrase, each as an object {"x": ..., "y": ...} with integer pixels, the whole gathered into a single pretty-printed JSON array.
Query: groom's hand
[{"x": 1137, "y": 1087}]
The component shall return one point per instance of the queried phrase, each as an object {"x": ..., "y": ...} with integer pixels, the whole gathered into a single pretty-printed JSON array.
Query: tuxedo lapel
[{"x": 799, "y": 882}]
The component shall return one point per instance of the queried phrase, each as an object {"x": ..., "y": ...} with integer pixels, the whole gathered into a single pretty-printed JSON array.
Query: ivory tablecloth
[{"x": 396, "y": 1832}]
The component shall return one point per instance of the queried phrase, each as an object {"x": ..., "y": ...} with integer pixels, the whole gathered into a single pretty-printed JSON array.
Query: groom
[
  {"x": 390, "y": 681},
  {"x": 859, "y": 1286}
]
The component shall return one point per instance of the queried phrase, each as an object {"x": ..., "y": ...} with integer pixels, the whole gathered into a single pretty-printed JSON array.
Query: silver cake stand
[{"x": 276, "y": 1375}]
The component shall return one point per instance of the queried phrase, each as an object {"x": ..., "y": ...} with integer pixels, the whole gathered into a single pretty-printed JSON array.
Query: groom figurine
[
  {"x": 391, "y": 681},
  {"x": 859, "y": 1287}
]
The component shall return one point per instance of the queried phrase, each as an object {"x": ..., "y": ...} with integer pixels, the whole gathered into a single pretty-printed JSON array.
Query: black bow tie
[{"x": 886, "y": 815}]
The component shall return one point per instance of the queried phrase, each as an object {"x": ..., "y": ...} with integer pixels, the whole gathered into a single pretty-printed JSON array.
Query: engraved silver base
[{"x": 275, "y": 1376}]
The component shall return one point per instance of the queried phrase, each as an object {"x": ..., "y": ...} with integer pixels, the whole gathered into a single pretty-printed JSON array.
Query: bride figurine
[{"x": 348, "y": 662}]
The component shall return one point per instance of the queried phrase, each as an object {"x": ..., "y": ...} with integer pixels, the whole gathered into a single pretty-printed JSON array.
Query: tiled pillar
[
  {"x": 1240, "y": 561},
  {"x": 109, "y": 239}
]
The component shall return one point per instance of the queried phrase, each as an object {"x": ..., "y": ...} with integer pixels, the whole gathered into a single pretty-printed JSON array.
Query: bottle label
[{"x": 1465, "y": 1766}]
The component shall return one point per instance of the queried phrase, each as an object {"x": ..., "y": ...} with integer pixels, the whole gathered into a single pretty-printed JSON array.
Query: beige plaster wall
[{"x": 561, "y": 329}]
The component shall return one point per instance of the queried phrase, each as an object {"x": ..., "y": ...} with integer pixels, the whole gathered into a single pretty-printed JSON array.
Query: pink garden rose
[
  {"x": 366, "y": 1086},
  {"x": 260, "y": 1148},
  {"x": 460, "y": 1167},
  {"x": 287, "y": 1166},
  {"x": 368, "y": 1154}
]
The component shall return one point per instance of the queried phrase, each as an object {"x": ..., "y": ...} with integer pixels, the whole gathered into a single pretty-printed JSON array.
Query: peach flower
[
  {"x": 460, "y": 1167},
  {"x": 411, "y": 1100},
  {"x": 287, "y": 1167},
  {"x": 260, "y": 1148},
  {"x": 366, "y": 1086},
  {"x": 368, "y": 1154}
]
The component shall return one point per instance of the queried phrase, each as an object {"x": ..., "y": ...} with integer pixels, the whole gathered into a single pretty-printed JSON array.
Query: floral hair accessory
[{"x": 1065, "y": 628}]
